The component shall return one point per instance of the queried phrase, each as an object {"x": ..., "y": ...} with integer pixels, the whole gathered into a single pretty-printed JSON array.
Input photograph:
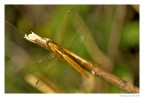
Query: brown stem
[
  {"x": 92, "y": 68},
  {"x": 124, "y": 85}
]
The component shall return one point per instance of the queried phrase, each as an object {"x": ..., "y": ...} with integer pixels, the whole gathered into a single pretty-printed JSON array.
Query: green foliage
[{"x": 130, "y": 34}]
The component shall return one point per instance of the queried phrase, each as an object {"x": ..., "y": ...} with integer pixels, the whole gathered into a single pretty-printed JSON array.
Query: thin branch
[{"x": 92, "y": 68}]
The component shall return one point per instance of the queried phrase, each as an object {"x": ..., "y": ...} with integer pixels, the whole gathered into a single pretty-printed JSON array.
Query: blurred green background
[{"x": 104, "y": 34}]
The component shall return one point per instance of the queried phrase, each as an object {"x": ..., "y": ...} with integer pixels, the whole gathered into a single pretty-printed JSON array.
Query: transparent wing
[{"x": 73, "y": 37}]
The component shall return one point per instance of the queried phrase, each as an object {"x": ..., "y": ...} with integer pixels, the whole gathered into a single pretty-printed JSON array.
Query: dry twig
[{"x": 92, "y": 68}]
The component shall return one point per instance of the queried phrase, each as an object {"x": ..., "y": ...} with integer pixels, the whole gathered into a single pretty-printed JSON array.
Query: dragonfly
[
  {"x": 63, "y": 53},
  {"x": 70, "y": 57}
]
